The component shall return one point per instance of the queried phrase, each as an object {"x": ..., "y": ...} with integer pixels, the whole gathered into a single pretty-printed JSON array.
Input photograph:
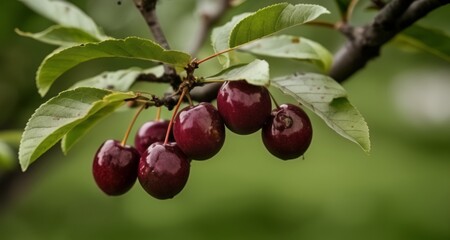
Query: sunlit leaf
[
  {"x": 273, "y": 19},
  {"x": 66, "y": 14},
  {"x": 292, "y": 47},
  {"x": 61, "y": 36},
  {"x": 220, "y": 37},
  {"x": 120, "y": 80},
  {"x": 247, "y": 27},
  {"x": 328, "y": 100},
  {"x": 431, "y": 40},
  {"x": 256, "y": 73},
  {"x": 60, "y": 61},
  {"x": 76, "y": 133},
  {"x": 59, "y": 115}
]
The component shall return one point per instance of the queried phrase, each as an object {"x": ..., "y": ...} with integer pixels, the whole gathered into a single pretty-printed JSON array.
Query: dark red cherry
[
  {"x": 151, "y": 132},
  {"x": 115, "y": 167},
  {"x": 243, "y": 107},
  {"x": 288, "y": 132},
  {"x": 163, "y": 170},
  {"x": 199, "y": 131}
]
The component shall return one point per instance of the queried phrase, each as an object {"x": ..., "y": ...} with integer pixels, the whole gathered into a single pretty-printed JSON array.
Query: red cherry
[
  {"x": 243, "y": 107},
  {"x": 199, "y": 131},
  {"x": 288, "y": 132},
  {"x": 163, "y": 170},
  {"x": 115, "y": 167},
  {"x": 151, "y": 132}
]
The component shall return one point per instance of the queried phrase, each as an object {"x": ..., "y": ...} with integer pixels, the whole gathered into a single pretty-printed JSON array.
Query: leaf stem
[
  {"x": 214, "y": 55},
  {"x": 130, "y": 126},
  {"x": 158, "y": 114},
  {"x": 175, "y": 111},
  {"x": 273, "y": 99},
  {"x": 350, "y": 9}
]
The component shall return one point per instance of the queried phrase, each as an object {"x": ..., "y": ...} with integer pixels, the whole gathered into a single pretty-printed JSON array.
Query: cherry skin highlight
[
  {"x": 115, "y": 167},
  {"x": 163, "y": 170},
  {"x": 243, "y": 107},
  {"x": 151, "y": 132},
  {"x": 288, "y": 132},
  {"x": 199, "y": 131}
]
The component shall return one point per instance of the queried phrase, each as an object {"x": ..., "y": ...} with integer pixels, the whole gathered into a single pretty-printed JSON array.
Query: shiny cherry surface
[
  {"x": 163, "y": 170},
  {"x": 151, "y": 132},
  {"x": 115, "y": 167},
  {"x": 243, "y": 107},
  {"x": 199, "y": 131},
  {"x": 288, "y": 132}
]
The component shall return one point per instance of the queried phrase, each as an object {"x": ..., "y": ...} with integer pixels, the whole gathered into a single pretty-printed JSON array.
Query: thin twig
[
  {"x": 148, "y": 11},
  {"x": 364, "y": 43}
]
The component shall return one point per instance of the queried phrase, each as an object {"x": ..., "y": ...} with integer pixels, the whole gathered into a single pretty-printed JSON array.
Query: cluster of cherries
[{"x": 162, "y": 154}]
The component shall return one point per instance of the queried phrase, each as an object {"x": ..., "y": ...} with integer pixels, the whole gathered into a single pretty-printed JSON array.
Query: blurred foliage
[{"x": 400, "y": 191}]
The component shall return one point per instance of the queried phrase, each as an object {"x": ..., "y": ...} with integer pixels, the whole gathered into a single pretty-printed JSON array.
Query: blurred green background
[{"x": 401, "y": 190}]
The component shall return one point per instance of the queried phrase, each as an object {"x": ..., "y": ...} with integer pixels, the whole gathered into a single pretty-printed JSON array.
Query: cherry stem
[
  {"x": 214, "y": 55},
  {"x": 175, "y": 111},
  {"x": 130, "y": 126},
  {"x": 189, "y": 99},
  {"x": 273, "y": 99},
  {"x": 158, "y": 114},
  {"x": 350, "y": 9}
]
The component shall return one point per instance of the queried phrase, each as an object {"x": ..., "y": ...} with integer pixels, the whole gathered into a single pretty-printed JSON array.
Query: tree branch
[
  {"x": 209, "y": 16},
  {"x": 148, "y": 11},
  {"x": 364, "y": 43}
]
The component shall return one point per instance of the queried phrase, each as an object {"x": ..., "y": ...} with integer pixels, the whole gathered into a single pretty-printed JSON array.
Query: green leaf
[
  {"x": 120, "y": 80},
  {"x": 247, "y": 27},
  {"x": 61, "y": 36},
  {"x": 272, "y": 19},
  {"x": 343, "y": 6},
  {"x": 221, "y": 35},
  {"x": 328, "y": 100},
  {"x": 59, "y": 115},
  {"x": 292, "y": 47},
  {"x": 7, "y": 156},
  {"x": 60, "y": 61},
  {"x": 431, "y": 40},
  {"x": 65, "y": 14},
  {"x": 74, "y": 135},
  {"x": 256, "y": 73}
]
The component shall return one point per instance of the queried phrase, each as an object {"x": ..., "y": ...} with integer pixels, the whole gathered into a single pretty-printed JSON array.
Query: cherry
[
  {"x": 288, "y": 132},
  {"x": 243, "y": 107},
  {"x": 163, "y": 170},
  {"x": 199, "y": 131},
  {"x": 115, "y": 167},
  {"x": 151, "y": 132}
]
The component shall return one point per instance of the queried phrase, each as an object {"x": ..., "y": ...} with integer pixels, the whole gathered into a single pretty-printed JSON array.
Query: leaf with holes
[
  {"x": 256, "y": 73},
  {"x": 291, "y": 47},
  {"x": 60, "y": 61},
  {"x": 59, "y": 115},
  {"x": 66, "y": 14},
  {"x": 61, "y": 36},
  {"x": 326, "y": 98}
]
